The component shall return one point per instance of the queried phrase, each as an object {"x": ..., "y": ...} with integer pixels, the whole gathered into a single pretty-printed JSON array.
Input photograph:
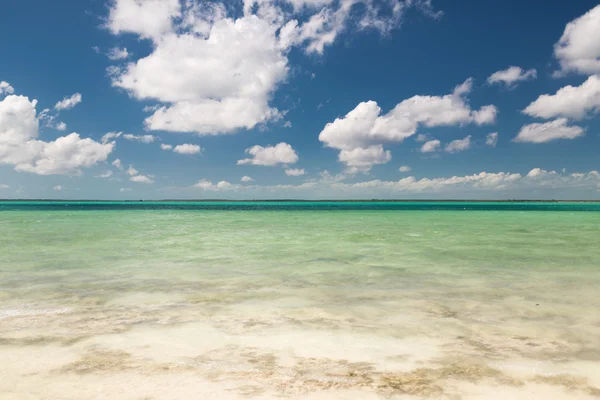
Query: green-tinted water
[{"x": 306, "y": 300}]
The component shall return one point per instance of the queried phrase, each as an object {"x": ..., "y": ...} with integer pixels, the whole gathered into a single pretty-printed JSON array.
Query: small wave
[{"x": 28, "y": 312}]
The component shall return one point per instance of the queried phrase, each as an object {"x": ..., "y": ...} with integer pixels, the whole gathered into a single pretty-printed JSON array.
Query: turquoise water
[{"x": 321, "y": 300}]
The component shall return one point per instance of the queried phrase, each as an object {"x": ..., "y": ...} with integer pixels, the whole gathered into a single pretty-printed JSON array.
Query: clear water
[{"x": 299, "y": 300}]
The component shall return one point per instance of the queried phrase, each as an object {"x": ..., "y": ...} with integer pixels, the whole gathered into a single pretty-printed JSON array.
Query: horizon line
[{"x": 306, "y": 201}]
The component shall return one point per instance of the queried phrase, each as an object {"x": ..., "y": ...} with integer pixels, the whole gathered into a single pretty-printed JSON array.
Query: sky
[{"x": 299, "y": 99}]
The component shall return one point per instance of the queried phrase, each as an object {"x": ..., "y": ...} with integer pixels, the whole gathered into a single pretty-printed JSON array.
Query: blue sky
[{"x": 304, "y": 98}]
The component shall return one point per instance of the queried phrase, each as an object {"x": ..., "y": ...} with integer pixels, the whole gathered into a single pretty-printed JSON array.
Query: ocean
[{"x": 299, "y": 300}]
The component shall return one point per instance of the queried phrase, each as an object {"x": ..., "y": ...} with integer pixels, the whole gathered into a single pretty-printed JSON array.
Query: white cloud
[
  {"x": 295, "y": 172},
  {"x": 430, "y": 146},
  {"x": 150, "y": 18},
  {"x": 187, "y": 149},
  {"x": 282, "y": 153},
  {"x": 364, "y": 126},
  {"x": 578, "y": 49},
  {"x": 135, "y": 176},
  {"x": 5, "y": 88},
  {"x": 58, "y": 188},
  {"x": 141, "y": 179},
  {"x": 511, "y": 76},
  {"x": 421, "y": 137},
  {"x": 246, "y": 179},
  {"x": 287, "y": 124},
  {"x": 20, "y": 146},
  {"x": 405, "y": 168},
  {"x": 570, "y": 101},
  {"x": 110, "y": 136},
  {"x": 61, "y": 126},
  {"x": 166, "y": 146},
  {"x": 205, "y": 184},
  {"x": 458, "y": 145},
  {"x": 122, "y": 190},
  {"x": 215, "y": 74},
  {"x": 491, "y": 139},
  {"x": 362, "y": 159},
  {"x": 212, "y": 85},
  {"x": 117, "y": 164},
  {"x": 147, "y": 139},
  {"x": 132, "y": 171},
  {"x": 479, "y": 184},
  {"x": 105, "y": 175},
  {"x": 68, "y": 102},
  {"x": 117, "y": 53},
  {"x": 538, "y": 172},
  {"x": 4, "y": 186},
  {"x": 552, "y": 130}
]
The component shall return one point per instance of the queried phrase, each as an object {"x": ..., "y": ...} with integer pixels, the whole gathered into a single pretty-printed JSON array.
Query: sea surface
[{"x": 299, "y": 300}]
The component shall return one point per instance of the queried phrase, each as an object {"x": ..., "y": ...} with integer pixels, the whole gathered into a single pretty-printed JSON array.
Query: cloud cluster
[
  {"x": 20, "y": 146},
  {"x": 360, "y": 133},
  {"x": 479, "y": 184},
  {"x": 136, "y": 176},
  {"x": 216, "y": 74},
  {"x": 578, "y": 50}
]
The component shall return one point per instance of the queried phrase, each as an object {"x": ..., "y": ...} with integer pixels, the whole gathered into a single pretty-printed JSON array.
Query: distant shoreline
[{"x": 300, "y": 201}]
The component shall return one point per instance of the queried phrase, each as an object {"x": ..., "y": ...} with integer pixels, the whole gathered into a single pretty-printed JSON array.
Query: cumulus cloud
[
  {"x": 122, "y": 190},
  {"x": 578, "y": 49},
  {"x": 295, "y": 172},
  {"x": 548, "y": 131},
  {"x": 58, "y": 188},
  {"x": 363, "y": 159},
  {"x": 205, "y": 184},
  {"x": 5, "y": 88},
  {"x": 430, "y": 146},
  {"x": 511, "y": 76},
  {"x": 117, "y": 53},
  {"x": 20, "y": 146},
  {"x": 141, "y": 179},
  {"x": 570, "y": 101},
  {"x": 215, "y": 74},
  {"x": 164, "y": 146},
  {"x": 147, "y": 139},
  {"x": 365, "y": 126},
  {"x": 68, "y": 102},
  {"x": 187, "y": 149},
  {"x": 61, "y": 126},
  {"x": 458, "y": 145},
  {"x": 491, "y": 139},
  {"x": 246, "y": 179},
  {"x": 405, "y": 168},
  {"x": 282, "y": 153}
]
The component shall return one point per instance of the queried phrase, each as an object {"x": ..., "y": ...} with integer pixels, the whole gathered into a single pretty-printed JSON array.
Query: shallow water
[{"x": 334, "y": 301}]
